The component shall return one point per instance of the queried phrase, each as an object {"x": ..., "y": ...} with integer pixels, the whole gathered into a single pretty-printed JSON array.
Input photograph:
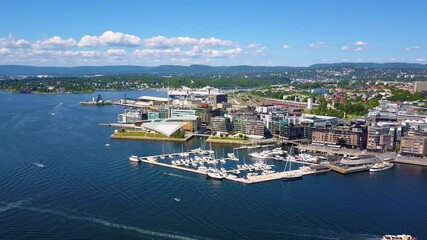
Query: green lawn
[
  {"x": 139, "y": 134},
  {"x": 229, "y": 138}
]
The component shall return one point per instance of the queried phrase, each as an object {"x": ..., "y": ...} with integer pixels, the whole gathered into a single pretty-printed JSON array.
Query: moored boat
[
  {"x": 217, "y": 175},
  {"x": 133, "y": 158},
  {"x": 292, "y": 176},
  {"x": 382, "y": 166},
  {"x": 398, "y": 237}
]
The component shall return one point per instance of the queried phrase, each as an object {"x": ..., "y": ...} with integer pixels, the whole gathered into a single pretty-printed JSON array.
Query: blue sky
[{"x": 233, "y": 32}]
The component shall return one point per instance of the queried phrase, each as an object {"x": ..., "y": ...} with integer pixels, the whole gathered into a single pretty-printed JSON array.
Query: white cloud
[
  {"x": 254, "y": 45},
  {"x": 286, "y": 46},
  {"x": 356, "y": 47},
  {"x": 54, "y": 42},
  {"x": 194, "y": 52},
  {"x": 318, "y": 45},
  {"x": 10, "y": 42},
  {"x": 116, "y": 52},
  {"x": 164, "y": 42},
  {"x": 4, "y": 51},
  {"x": 110, "y": 38},
  {"x": 413, "y": 48},
  {"x": 420, "y": 60},
  {"x": 360, "y": 43}
]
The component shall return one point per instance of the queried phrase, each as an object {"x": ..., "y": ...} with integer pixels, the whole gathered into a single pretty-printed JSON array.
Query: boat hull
[
  {"x": 381, "y": 169},
  {"x": 292, "y": 178}
]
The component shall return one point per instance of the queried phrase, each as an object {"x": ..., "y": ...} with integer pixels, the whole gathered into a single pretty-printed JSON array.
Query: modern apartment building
[{"x": 415, "y": 146}]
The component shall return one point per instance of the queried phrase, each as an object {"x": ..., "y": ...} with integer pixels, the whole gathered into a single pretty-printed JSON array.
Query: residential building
[
  {"x": 220, "y": 124},
  {"x": 415, "y": 146},
  {"x": 349, "y": 137},
  {"x": 380, "y": 139},
  {"x": 420, "y": 86},
  {"x": 254, "y": 127}
]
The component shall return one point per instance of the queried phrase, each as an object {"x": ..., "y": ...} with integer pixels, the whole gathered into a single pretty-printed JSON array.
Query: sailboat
[
  {"x": 163, "y": 156},
  {"x": 291, "y": 175}
]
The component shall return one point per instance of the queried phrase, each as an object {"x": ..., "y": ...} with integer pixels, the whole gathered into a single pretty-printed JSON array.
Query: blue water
[{"x": 90, "y": 191}]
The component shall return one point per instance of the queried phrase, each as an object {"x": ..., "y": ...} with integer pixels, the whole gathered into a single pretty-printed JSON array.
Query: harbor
[{"x": 232, "y": 168}]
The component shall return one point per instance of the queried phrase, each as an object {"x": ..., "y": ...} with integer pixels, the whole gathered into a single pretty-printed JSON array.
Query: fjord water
[{"x": 91, "y": 191}]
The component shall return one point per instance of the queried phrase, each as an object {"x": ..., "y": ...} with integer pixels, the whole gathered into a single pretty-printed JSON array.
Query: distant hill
[
  {"x": 199, "y": 69},
  {"x": 396, "y": 65}
]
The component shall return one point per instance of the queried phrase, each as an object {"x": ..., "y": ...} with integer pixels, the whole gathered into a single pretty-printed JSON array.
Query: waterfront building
[
  {"x": 290, "y": 131},
  {"x": 254, "y": 127},
  {"x": 130, "y": 116},
  {"x": 380, "y": 139},
  {"x": 205, "y": 114},
  {"x": 343, "y": 136},
  {"x": 192, "y": 122},
  {"x": 414, "y": 146},
  {"x": 182, "y": 113},
  {"x": 165, "y": 127},
  {"x": 151, "y": 101},
  {"x": 220, "y": 124},
  {"x": 158, "y": 114}
]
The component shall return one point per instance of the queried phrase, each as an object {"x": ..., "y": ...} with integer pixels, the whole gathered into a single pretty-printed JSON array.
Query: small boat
[
  {"x": 292, "y": 176},
  {"x": 166, "y": 173},
  {"x": 39, "y": 164},
  {"x": 381, "y": 166},
  {"x": 232, "y": 157},
  {"x": 107, "y": 144},
  {"x": 177, "y": 199},
  {"x": 133, "y": 158},
  {"x": 217, "y": 175},
  {"x": 398, "y": 237}
]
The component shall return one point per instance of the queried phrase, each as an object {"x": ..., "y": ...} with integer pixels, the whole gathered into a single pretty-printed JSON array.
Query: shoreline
[{"x": 113, "y": 136}]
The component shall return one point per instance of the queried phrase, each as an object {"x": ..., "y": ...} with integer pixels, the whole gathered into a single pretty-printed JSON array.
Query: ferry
[
  {"x": 398, "y": 237},
  {"x": 133, "y": 158},
  {"x": 381, "y": 166}
]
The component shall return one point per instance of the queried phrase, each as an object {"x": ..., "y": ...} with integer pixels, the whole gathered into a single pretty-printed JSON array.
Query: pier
[{"x": 248, "y": 179}]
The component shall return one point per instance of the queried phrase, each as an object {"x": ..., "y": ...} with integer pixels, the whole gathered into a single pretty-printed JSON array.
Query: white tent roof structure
[{"x": 165, "y": 128}]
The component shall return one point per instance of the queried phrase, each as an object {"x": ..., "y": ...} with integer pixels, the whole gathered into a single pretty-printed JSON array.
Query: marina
[{"x": 203, "y": 162}]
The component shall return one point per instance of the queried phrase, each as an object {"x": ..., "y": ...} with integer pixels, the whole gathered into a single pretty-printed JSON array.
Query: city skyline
[{"x": 151, "y": 33}]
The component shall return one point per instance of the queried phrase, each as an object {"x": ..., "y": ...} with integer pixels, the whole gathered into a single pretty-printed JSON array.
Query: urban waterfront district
[{"x": 86, "y": 188}]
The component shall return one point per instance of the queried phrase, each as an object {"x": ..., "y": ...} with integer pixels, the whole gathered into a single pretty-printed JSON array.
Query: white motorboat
[
  {"x": 377, "y": 167},
  {"x": 232, "y": 157},
  {"x": 134, "y": 158},
  {"x": 217, "y": 175},
  {"x": 398, "y": 237}
]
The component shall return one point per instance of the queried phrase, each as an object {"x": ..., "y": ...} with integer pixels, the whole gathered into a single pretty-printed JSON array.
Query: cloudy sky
[{"x": 212, "y": 32}]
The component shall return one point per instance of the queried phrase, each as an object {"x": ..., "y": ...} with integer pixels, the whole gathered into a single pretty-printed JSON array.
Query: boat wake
[
  {"x": 21, "y": 205},
  {"x": 179, "y": 176},
  {"x": 12, "y": 205}
]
